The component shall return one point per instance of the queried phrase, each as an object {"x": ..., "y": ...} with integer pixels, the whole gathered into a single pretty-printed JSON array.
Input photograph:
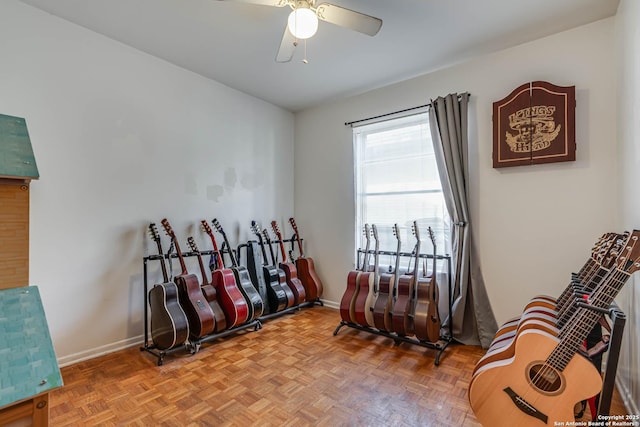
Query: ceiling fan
[{"x": 303, "y": 21}]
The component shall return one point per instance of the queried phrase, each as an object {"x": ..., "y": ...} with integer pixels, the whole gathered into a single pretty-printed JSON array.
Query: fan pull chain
[{"x": 304, "y": 60}]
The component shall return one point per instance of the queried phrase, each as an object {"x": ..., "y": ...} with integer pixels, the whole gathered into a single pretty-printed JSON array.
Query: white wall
[
  {"x": 534, "y": 224},
  {"x": 628, "y": 61},
  {"x": 122, "y": 139}
]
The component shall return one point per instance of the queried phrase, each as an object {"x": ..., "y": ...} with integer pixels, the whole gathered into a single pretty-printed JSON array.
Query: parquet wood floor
[{"x": 293, "y": 372}]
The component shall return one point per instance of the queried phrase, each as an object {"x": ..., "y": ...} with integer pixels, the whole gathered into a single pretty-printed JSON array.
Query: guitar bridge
[{"x": 525, "y": 406}]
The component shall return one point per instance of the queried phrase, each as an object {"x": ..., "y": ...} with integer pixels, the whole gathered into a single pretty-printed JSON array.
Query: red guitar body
[
  {"x": 233, "y": 303},
  {"x": 309, "y": 278},
  {"x": 211, "y": 295},
  {"x": 400, "y": 319},
  {"x": 347, "y": 312},
  {"x": 201, "y": 319}
]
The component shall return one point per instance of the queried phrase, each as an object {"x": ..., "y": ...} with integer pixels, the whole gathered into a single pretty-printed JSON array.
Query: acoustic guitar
[
  {"x": 348, "y": 301},
  {"x": 201, "y": 318},
  {"x": 276, "y": 295},
  {"x": 208, "y": 290},
  {"x": 547, "y": 375},
  {"x": 426, "y": 319},
  {"x": 250, "y": 293},
  {"x": 234, "y": 305},
  {"x": 169, "y": 324},
  {"x": 306, "y": 269},
  {"x": 282, "y": 277},
  {"x": 502, "y": 347},
  {"x": 366, "y": 284},
  {"x": 401, "y": 319},
  {"x": 290, "y": 270},
  {"x": 386, "y": 287}
]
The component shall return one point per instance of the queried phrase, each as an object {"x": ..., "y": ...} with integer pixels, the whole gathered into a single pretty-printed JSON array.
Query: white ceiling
[{"x": 236, "y": 43}]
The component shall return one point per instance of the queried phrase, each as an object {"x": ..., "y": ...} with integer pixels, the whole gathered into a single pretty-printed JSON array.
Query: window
[{"x": 397, "y": 181}]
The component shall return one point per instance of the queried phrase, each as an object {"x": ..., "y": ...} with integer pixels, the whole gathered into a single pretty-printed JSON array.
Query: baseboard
[
  {"x": 99, "y": 351},
  {"x": 625, "y": 394},
  {"x": 129, "y": 342},
  {"x": 330, "y": 304}
]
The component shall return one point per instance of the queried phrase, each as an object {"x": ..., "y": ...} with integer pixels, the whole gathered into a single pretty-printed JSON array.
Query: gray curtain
[{"x": 473, "y": 319}]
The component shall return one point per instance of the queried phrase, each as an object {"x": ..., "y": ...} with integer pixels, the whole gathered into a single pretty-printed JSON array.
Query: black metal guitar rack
[
  {"x": 191, "y": 346},
  {"x": 317, "y": 301},
  {"x": 618, "y": 320},
  {"x": 442, "y": 342}
]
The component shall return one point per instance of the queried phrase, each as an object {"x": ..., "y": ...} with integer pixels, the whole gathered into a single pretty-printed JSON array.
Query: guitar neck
[
  {"x": 234, "y": 262},
  {"x": 268, "y": 240},
  {"x": 170, "y": 232},
  {"x": 194, "y": 249},
  {"x": 295, "y": 230},
  {"x": 256, "y": 231},
  {"x": 156, "y": 237},
  {"x": 207, "y": 229}
]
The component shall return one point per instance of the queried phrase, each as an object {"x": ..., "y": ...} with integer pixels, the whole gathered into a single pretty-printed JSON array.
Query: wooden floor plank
[{"x": 292, "y": 372}]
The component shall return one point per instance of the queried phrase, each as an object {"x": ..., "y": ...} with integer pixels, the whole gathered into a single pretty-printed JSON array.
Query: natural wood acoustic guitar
[
  {"x": 306, "y": 269},
  {"x": 547, "y": 374}
]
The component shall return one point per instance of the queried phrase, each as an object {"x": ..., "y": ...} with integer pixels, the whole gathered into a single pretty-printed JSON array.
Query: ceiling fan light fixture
[{"x": 303, "y": 23}]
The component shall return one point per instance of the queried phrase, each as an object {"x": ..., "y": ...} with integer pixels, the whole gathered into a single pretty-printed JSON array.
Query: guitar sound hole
[{"x": 544, "y": 377}]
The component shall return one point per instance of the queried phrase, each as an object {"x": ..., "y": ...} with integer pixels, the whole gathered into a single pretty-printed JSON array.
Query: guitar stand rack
[
  {"x": 618, "y": 320},
  {"x": 191, "y": 346},
  {"x": 439, "y": 345}
]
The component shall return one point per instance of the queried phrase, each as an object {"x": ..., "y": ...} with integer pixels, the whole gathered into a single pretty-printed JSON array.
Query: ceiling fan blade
[
  {"x": 287, "y": 46},
  {"x": 276, "y": 3},
  {"x": 349, "y": 19}
]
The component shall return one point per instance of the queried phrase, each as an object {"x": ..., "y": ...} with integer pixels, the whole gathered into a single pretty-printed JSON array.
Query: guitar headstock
[
  {"x": 432, "y": 236},
  {"x": 255, "y": 228},
  {"x": 265, "y": 233},
  {"x": 276, "y": 229},
  {"x": 167, "y": 228},
  {"x": 206, "y": 228},
  {"x": 217, "y": 226},
  {"x": 293, "y": 225},
  {"x": 415, "y": 230},
  {"x": 629, "y": 259},
  {"x": 374, "y": 231},
  {"x": 153, "y": 232},
  {"x": 192, "y": 245},
  {"x": 367, "y": 232},
  {"x": 396, "y": 231}
]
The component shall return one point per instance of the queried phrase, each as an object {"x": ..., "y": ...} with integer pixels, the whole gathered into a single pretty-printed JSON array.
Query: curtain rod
[
  {"x": 387, "y": 114},
  {"x": 391, "y": 114}
]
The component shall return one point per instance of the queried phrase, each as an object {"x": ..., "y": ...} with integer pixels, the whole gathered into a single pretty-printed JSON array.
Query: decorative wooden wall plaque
[{"x": 534, "y": 124}]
